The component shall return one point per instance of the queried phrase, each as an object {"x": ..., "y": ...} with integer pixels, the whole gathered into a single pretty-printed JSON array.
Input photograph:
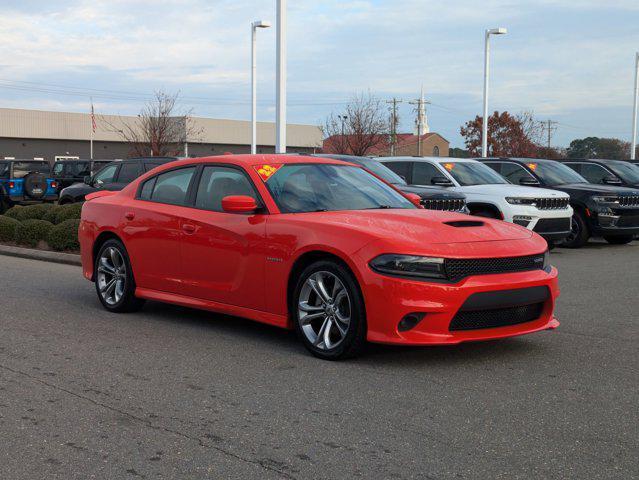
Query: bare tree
[
  {"x": 158, "y": 130},
  {"x": 362, "y": 127}
]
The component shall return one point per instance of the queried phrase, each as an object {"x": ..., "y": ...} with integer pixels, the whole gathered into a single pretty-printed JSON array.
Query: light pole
[
  {"x": 254, "y": 26},
  {"x": 343, "y": 119},
  {"x": 633, "y": 148},
  {"x": 484, "y": 127},
  {"x": 280, "y": 82}
]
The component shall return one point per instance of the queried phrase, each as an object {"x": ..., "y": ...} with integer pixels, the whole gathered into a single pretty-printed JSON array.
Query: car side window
[
  {"x": 514, "y": 173},
  {"x": 129, "y": 172},
  {"x": 172, "y": 187},
  {"x": 594, "y": 173},
  {"x": 81, "y": 169},
  {"x": 219, "y": 182},
  {"x": 400, "y": 168},
  {"x": 495, "y": 166},
  {"x": 423, "y": 173},
  {"x": 4, "y": 170},
  {"x": 105, "y": 175},
  {"x": 58, "y": 168},
  {"x": 575, "y": 166}
]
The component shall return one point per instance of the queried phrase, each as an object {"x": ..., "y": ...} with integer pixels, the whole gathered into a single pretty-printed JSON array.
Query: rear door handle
[
  {"x": 129, "y": 215},
  {"x": 188, "y": 228}
]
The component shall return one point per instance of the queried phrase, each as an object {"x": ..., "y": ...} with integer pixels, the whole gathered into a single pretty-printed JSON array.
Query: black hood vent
[{"x": 465, "y": 223}]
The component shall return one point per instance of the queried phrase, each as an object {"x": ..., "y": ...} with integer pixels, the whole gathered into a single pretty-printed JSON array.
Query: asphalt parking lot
[{"x": 176, "y": 393}]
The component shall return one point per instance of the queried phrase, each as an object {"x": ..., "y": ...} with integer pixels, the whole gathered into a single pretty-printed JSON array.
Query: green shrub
[
  {"x": 13, "y": 212},
  {"x": 50, "y": 214},
  {"x": 8, "y": 228},
  {"x": 67, "y": 212},
  {"x": 33, "y": 212},
  {"x": 64, "y": 236},
  {"x": 32, "y": 232}
]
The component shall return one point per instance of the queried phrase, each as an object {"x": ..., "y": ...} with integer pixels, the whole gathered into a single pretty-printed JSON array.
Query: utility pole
[
  {"x": 394, "y": 120},
  {"x": 550, "y": 128},
  {"x": 422, "y": 124}
]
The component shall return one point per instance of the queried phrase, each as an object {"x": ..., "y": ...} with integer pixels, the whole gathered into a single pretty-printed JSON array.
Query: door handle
[
  {"x": 129, "y": 215},
  {"x": 188, "y": 228}
]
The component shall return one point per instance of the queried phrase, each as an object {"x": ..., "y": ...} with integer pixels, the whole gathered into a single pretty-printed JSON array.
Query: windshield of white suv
[
  {"x": 555, "y": 173},
  {"x": 471, "y": 173},
  {"x": 628, "y": 172}
]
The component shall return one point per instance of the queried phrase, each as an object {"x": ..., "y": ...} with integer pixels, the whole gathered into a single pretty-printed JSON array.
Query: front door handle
[
  {"x": 188, "y": 228},
  {"x": 129, "y": 215}
]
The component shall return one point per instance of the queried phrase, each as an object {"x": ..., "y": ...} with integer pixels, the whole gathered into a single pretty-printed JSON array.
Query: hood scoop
[{"x": 465, "y": 223}]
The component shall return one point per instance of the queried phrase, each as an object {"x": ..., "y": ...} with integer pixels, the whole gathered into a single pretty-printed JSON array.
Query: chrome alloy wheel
[
  {"x": 324, "y": 310},
  {"x": 112, "y": 276}
]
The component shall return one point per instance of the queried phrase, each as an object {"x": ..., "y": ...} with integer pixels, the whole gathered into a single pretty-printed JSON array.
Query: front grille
[
  {"x": 555, "y": 203},
  {"x": 456, "y": 269},
  {"x": 498, "y": 317},
  {"x": 448, "y": 204},
  {"x": 629, "y": 201},
  {"x": 549, "y": 225},
  {"x": 628, "y": 221}
]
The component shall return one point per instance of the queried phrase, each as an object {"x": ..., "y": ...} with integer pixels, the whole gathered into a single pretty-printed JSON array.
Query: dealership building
[{"x": 58, "y": 135}]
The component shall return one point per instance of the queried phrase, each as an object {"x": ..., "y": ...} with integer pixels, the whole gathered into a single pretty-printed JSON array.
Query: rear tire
[
  {"x": 328, "y": 311},
  {"x": 579, "y": 233},
  {"x": 114, "y": 281},
  {"x": 618, "y": 239}
]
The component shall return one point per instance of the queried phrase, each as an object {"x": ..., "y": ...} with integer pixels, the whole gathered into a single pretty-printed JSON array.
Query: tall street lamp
[
  {"x": 254, "y": 26},
  {"x": 633, "y": 148},
  {"x": 484, "y": 127},
  {"x": 280, "y": 79}
]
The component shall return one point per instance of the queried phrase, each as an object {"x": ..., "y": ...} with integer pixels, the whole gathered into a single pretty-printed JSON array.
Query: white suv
[{"x": 488, "y": 194}]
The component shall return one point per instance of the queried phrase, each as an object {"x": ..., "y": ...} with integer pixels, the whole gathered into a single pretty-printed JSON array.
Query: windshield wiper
[{"x": 380, "y": 207}]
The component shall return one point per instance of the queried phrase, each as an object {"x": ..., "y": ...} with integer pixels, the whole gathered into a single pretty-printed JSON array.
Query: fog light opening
[{"x": 410, "y": 321}]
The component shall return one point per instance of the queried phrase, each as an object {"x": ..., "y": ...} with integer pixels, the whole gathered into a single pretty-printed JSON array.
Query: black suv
[
  {"x": 600, "y": 210},
  {"x": 24, "y": 182},
  {"x": 433, "y": 198},
  {"x": 69, "y": 171},
  {"x": 607, "y": 172},
  {"x": 113, "y": 176}
]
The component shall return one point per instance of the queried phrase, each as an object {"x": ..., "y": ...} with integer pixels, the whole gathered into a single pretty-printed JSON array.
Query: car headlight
[
  {"x": 409, "y": 266},
  {"x": 605, "y": 199},
  {"x": 521, "y": 201}
]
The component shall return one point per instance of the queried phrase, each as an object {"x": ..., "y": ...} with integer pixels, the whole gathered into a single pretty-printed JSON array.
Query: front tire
[
  {"x": 579, "y": 233},
  {"x": 618, "y": 239},
  {"x": 114, "y": 282},
  {"x": 328, "y": 311}
]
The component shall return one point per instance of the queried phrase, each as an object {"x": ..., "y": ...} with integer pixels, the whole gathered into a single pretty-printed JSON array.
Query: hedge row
[{"x": 55, "y": 225}]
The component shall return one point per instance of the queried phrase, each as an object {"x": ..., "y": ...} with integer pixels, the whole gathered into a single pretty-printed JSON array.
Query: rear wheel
[
  {"x": 114, "y": 280},
  {"x": 328, "y": 311},
  {"x": 579, "y": 233},
  {"x": 618, "y": 239}
]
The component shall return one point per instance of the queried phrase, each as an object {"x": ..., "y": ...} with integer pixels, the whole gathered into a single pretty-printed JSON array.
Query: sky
[{"x": 570, "y": 61}]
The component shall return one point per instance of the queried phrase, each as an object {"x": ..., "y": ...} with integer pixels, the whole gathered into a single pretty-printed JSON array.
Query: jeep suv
[
  {"x": 608, "y": 211},
  {"x": 607, "y": 172},
  {"x": 70, "y": 171},
  {"x": 25, "y": 182},
  {"x": 488, "y": 194},
  {"x": 113, "y": 176}
]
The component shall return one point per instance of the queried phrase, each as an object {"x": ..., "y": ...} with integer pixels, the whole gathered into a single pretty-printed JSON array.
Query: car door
[
  {"x": 423, "y": 174},
  {"x": 223, "y": 254},
  {"x": 153, "y": 232}
]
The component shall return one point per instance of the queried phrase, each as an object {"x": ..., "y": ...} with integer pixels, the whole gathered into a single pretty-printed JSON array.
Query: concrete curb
[{"x": 44, "y": 255}]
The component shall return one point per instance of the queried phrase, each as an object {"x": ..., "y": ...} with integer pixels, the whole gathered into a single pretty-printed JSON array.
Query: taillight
[
  {"x": 54, "y": 185},
  {"x": 12, "y": 185}
]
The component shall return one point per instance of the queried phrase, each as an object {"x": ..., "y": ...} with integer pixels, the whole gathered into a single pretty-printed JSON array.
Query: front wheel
[
  {"x": 618, "y": 239},
  {"x": 328, "y": 311},
  {"x": 114, "y": 280},
  {"x": 579, "y": 233}
]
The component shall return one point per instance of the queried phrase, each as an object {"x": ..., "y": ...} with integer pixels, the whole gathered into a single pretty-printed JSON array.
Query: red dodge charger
[{"x": 317, "y": 245}]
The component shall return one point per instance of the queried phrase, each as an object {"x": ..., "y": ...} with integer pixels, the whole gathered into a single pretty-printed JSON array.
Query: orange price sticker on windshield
[
  {"x": 449, "y": 166},
  {"x": 266, "y": 171},
  {"x": 532, "y": 166}
]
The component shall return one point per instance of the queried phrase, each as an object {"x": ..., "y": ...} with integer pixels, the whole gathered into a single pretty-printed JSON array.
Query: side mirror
[
  {"x": 239, "y": 204},
  {"x": 414, "y": 199},
  {"x": 612, "y": 180},
  {"x": 441, "y": 182},
  {"x": 529, "y": 181},
  {"x": 87, "y": 180}
]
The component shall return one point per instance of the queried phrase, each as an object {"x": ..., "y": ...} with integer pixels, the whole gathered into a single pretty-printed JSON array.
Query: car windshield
[
  {"x": 555, "y": 173},
  {"x": 471, "y": 173},
  {"x": 383, "y": 172},
  {"x": 21, "y": 169},
  {"x": 628, "y": 172},
  {"x": 298, "y": 188}
]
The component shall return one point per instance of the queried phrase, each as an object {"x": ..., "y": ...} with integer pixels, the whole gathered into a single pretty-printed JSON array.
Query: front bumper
[
  {"x": 389, "y": 300},
  {"x": 620, "y": 221},
  {"x": 550, "y": 224}
]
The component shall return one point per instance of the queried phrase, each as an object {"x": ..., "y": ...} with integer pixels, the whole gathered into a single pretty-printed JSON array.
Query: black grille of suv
[
  {"x": 497, "y": 317},
  {"x": 629, "y": 201},
  {"x": 457, "y": 269},
  {"x": 552, "y": 203},
  {"x": 550, "y": 225},
  {"x": 453, "y": 204}
]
